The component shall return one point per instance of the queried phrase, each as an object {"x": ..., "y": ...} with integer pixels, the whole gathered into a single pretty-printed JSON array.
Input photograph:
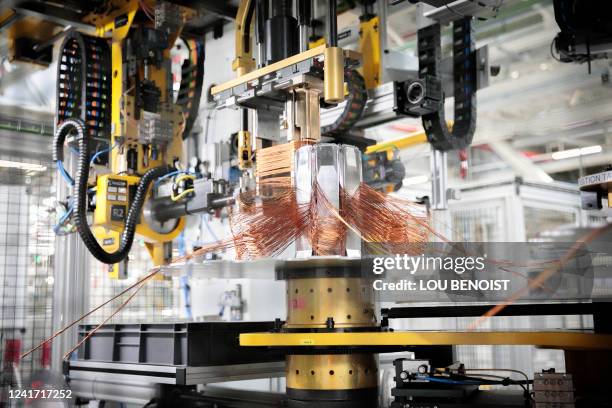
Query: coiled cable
[{"x": 80, "y": 194}]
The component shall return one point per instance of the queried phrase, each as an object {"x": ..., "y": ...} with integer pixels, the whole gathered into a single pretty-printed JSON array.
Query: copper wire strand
[
  {"x": 381, "y": 220},
  {"x": 326, "y": 233},
  {"x": 336, "y": 212},
  {"x": 115, "y": 312},
  {"x": 541, "y": 278},
  {"x": 177, "y": 261},
  {"x": 63, "y": 329}
]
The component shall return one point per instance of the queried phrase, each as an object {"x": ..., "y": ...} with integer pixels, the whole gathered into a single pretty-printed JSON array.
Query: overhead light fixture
[
  {"x": 568, "y": 154},
  {"x": 410, "y": 181},
  {"x": 515, "y": 75},
  {"x": 22, "y": 165}
]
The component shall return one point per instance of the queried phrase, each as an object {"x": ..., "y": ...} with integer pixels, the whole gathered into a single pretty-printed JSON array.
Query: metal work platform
[
  {"x": 174, "y": 375},
  {"x": 139, "y": 383}
]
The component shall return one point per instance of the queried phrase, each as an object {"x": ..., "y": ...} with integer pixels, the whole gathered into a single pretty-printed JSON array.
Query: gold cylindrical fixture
[
  {"x": 333, "y": 79},
  {"x": 332, "y": 372},
  {"x": 311, "y": 302},
  {"x": 330, "y": 297}
]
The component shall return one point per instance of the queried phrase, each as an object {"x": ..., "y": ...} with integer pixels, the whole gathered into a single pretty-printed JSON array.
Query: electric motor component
[
  {"x": 328, "y": 295},
  {"x": 335, "y": 170}
]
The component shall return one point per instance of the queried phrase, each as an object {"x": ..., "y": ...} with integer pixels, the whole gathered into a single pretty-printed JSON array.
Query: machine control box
[{"x": 113, "y": 197}]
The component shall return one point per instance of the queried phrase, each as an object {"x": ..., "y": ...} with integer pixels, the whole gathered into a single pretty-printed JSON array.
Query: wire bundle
[
  {"x": 274, "y": 165},
  {"x": 396, "y": 225},
  {"x": 264, "y": 227}
]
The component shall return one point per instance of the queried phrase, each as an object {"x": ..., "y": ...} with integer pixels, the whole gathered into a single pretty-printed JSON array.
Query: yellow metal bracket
[
  {"x": 369, "y": 45},
  {"x": 244, "y": 61}
]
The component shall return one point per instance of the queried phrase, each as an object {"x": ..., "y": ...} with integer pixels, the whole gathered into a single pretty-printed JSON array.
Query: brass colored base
[
  {"x": 330, "y": 380},
  {"x": 311, "y": 301},
  {"x": 332, "y": 372}
]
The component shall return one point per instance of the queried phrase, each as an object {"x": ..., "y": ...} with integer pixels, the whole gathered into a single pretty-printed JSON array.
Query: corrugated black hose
[{"x": 80, "y": 194}]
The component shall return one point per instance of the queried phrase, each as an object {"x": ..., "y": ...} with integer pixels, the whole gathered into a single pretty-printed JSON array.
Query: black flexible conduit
[
  {"x": 80, "y": 194},
  {"x": 465, "y": 72},
  {"x": 355, "y": 105}
]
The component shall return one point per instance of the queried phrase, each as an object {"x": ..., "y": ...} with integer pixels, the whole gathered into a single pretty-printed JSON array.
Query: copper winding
[
  {"x": 266, "y": 226},
  {"x": 326, "y": 233},
  {"x": 398, "y": 226},
  {"x": 274, "y": 165}
]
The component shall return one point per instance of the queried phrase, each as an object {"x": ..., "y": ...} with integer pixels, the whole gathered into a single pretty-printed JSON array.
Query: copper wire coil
[
  {"x": 396, "y": 224},
  {"x": 274, "y": 165},
  {"x": 265, "y": 226}
]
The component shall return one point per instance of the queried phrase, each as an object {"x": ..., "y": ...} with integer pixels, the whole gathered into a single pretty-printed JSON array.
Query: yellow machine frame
[{"x": 123, "y": 131}]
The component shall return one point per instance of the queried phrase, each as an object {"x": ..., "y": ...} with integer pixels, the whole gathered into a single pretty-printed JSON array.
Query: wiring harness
[{"x": 80, "y": 193}]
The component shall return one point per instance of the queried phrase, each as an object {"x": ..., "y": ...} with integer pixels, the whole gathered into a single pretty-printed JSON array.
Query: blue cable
[
  {"x": 63, "y": 219},
  {"x": 101, "y": 152},
  {"x": 64, "y": 173},
  {"x": 449, "y": 381}
]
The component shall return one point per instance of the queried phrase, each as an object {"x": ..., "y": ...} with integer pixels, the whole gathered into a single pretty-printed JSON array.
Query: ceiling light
[
  {"x": 515, "y": 74},
  {"x": 409, "y": 181},
  {"x": 567, "y": 154},
  {"x": 22, "y": 165}
]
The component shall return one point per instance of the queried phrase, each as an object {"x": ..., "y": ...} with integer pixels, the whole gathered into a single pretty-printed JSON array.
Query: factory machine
[{"x": 122, "y": 115}]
